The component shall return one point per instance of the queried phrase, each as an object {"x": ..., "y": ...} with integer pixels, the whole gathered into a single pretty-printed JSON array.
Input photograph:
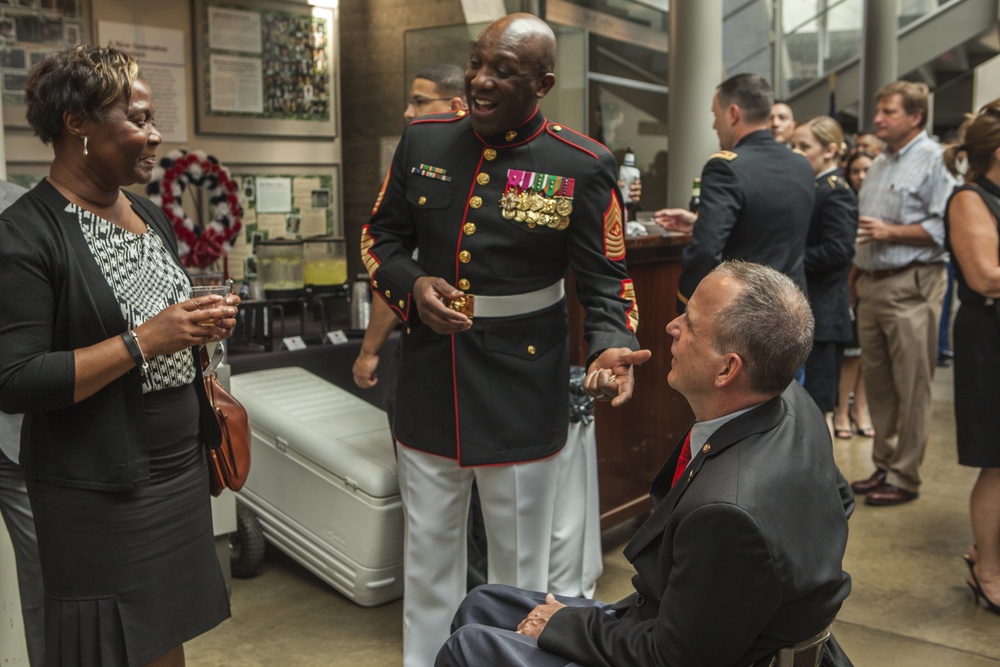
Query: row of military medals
[{"x": 538, "y": 199}]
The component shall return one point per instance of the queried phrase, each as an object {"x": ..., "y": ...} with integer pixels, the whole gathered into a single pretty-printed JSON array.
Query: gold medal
[
  {"x": 564, "y": 206},
  {"x": 523, "y": 203},
  {"x": 536, "y": 201}
]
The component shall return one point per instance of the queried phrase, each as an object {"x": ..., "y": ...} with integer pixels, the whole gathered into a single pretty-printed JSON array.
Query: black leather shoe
[
  {"x": 864, "y": 486},
  {"x": 888, "y": 495}
]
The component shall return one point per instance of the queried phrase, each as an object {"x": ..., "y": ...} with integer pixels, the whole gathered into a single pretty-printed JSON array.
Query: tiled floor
[{"x": 909, "y": 606}]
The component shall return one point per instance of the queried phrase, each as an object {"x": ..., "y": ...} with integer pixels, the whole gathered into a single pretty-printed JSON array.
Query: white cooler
[{"x": 323, "y": 481}]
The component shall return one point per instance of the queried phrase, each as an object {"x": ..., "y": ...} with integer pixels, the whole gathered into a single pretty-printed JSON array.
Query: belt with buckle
[
  {"x": 475, "y": 305},
  {"x": 878, "y": 274}
]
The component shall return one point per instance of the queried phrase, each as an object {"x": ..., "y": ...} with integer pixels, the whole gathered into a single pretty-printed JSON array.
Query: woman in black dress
[
  {"x": 851, "y": 414},
  {"x": 829, "y": 251},
  {"x": 97, "y": 347},
  {"x": 971, "y": 223}
]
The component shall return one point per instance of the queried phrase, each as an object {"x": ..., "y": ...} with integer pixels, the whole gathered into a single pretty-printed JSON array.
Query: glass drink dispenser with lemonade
[{"x": 325, "y": 263}]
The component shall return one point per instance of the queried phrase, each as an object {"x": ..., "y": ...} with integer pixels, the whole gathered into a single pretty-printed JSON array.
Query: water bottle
[
  {"x": 627, "y": 174},
  {"x": 695, "y": 203}
]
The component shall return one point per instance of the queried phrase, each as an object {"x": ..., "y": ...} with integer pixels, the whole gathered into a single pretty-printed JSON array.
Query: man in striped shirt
[{"x": 900, "y": 270}]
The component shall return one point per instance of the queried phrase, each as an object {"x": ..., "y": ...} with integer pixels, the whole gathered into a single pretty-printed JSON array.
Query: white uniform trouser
[
  {"x": 517, "y": 502},
  {"x": 576, "y": 560}
]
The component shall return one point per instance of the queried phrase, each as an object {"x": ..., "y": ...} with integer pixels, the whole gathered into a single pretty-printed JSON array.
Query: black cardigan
[{"x": 53, "y": 300}]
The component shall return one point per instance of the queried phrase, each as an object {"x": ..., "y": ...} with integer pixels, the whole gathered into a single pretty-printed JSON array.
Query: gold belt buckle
[{"x": 463, "y": 304}]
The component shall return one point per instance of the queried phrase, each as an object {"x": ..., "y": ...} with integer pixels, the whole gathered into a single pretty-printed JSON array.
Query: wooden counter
[{"x": 633, "y": 441}]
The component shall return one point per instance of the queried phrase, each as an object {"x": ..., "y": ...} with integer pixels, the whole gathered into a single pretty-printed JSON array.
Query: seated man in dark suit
[{"x": 742, "y": 553}]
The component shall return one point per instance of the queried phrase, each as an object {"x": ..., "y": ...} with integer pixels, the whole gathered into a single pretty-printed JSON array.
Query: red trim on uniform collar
[{"x": 526, "y": 131}]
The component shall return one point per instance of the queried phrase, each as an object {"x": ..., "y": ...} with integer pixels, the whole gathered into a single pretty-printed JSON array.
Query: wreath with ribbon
[{"x": 199, "y": 245}]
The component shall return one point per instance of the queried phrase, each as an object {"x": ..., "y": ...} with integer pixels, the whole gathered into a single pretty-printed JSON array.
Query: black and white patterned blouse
[{"x": 145, "y": 279}]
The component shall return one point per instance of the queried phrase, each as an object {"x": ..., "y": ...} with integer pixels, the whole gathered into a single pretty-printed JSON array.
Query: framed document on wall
[
  {"x": 29, "y": 31},
  {"x": 265, "y": 68}
]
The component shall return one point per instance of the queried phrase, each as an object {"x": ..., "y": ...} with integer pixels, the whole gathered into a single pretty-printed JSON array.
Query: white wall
[{"x": 986, "y": 83}]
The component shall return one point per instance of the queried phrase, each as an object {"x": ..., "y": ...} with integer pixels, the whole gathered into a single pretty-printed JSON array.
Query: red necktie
[{"x": 683, "y": 459}]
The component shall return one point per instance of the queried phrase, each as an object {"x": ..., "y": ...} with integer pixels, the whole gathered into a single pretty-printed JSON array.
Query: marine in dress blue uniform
[
  {"x": 500, "y": 202},
  {"x": 446, "y": 195}
]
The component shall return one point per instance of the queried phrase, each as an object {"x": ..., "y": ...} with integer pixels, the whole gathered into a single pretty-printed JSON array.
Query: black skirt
[
  {"x": 130, "y": 576},
  {"x": 976, "y": 337}
]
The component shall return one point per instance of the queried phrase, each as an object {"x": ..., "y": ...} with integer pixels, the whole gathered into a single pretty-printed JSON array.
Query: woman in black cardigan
[{"x": 97, "y": 347}]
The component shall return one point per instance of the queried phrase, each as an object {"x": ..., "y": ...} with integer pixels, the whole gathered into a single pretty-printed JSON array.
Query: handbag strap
[{"x": 211, "y": 384}]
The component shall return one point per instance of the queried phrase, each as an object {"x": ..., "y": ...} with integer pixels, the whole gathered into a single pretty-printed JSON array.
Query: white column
[{"x": 695, "y": 72}]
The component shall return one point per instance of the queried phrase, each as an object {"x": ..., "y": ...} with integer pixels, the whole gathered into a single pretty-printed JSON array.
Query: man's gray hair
[{"x": 769, "y": 325}]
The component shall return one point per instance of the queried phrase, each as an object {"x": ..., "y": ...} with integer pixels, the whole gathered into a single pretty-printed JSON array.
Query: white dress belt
[{"x": 518, "y": 304}]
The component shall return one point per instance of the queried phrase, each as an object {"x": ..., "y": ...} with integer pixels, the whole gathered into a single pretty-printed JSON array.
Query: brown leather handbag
[{"x": 229, "y": 460}]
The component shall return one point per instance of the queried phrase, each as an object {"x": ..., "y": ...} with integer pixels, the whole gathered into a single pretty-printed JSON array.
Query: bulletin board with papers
[{"x": 279, "y": 204}]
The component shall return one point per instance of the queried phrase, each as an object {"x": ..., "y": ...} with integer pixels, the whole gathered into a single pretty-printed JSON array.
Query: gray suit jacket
[
  {"x": 10, "y": 425},
  {"x": 742, "y": 557}
]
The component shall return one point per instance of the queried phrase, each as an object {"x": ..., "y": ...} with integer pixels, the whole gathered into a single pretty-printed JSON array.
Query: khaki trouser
[{"x": 898, "y": 320}]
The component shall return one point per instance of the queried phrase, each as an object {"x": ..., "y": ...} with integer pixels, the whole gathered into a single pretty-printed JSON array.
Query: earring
[{"x": 85, "y": 151}]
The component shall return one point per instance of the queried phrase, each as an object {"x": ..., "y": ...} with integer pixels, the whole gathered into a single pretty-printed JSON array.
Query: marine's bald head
[
  {"x": 528, "y": 36},
  {"x": 510, "y": 69}
]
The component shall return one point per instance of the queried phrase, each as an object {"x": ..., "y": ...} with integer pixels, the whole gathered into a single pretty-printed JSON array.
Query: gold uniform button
[
  {"x": 511, "y": 136},
  {"x": 483, "y": 178},
  {"x": 531, "y": 349},
  {"x": 388, "y": 295},
  {"x": 704, "y": 450},
  {"x": 490, "y": 154},
  {"x": 469, "y": 228},
  {"x": 465, "y": 257},
  {"x": 464, "y": 285},
  {"x": 408, "y": 330},
  {"x": 461, "y": 112},
  {"x": 422, "y": 201},
  {"x": 401, "y": 304},
  {"x": 375, "y": 284},
  {"x": 557, "y": 128},
  {"x": 476, "y": 202}
]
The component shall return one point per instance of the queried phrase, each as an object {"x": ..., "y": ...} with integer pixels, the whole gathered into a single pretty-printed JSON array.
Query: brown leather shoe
[
  {"x": 864, "y": 486},
  {"x": 888, "y": 495}
]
